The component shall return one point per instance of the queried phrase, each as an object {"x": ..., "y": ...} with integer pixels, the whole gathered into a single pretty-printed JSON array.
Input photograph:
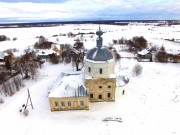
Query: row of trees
[
  {"x": 137, "y": 43},
  {"x": 117, "y": 56},
  {"x": 24, "y": 66},
  {"x": 134, "y": 44},
  {"x": 163, "y": 56},
  {"x": 10, "y": 86},
  {"x": 42, "y": 43},
  {"x": 74, "y": 54},
  {"x": 3, "y": 38},
  {"x": 27, "y": 64}
]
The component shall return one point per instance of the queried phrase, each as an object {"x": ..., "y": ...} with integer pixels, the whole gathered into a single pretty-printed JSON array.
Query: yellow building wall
[
  {"x": 56, "y": 103},
  {"x": 101, "y": 86}
]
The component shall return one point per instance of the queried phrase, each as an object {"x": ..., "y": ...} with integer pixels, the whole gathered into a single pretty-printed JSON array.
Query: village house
[
  {"x": 44, "y": 53},
  {"x": 144, "y": 55}
]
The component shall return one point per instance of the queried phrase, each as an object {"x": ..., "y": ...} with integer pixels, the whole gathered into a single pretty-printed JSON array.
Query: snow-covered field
[{"x": 151, "y": 105}]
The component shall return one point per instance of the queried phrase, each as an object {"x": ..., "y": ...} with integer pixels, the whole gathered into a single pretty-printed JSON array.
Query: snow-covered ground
[
  {"x": 154, "y": 34},
  {"x": 151, "y": 105}
]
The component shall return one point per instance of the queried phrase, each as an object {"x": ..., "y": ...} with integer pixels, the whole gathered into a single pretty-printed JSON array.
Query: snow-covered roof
[
  {"x": 92, "y": 61},
  {"x": 122, "y": 80},
  {"x": 143, "y": 52},
  {"x": 99, "y": 54},
  {"x": 1, "y": 55},
  {"x": 46, "y": 52},
  {"x": 69, "y": 86}
]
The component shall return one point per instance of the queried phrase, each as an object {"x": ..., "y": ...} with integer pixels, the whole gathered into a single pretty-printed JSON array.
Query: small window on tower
[
  {"x": 109, "y": 86},
  {"x": 100, "y": 87},
  {"x": 89, "y": 69},
  {"x": 100, "y": 71}
]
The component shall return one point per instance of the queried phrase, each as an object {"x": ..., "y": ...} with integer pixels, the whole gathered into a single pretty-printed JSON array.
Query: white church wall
[{"x": 107, "y": 69}]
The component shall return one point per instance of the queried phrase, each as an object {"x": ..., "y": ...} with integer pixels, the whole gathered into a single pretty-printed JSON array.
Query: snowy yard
[{"x": 151, "y": 105}]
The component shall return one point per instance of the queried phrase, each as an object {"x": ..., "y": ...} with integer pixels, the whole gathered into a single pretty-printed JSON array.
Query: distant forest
[{"x": 112, "y": 22}]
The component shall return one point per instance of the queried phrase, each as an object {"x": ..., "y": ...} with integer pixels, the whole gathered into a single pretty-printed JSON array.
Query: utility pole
[{"x": 29, "y": 98}]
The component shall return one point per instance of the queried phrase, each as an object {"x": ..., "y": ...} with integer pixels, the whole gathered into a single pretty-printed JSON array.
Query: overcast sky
[{"x": 72, "y": 10}]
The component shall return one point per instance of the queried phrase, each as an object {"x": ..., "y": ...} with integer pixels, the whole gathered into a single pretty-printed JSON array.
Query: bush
[
  {"x": 42, "y": 39},
  {"x": 15, "y": 38},
  {"x": 25, "y": 112},
  {"x": 115, "y": 41},
  {"x": 1, "y": 101},
  {"x": 3, "y": 38},
  {"x": 137, "y": 69},
  {"x": 54, "y": 58}
]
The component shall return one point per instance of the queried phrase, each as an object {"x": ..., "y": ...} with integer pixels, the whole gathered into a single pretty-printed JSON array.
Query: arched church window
[
  {"x": 89, "y": 69},
  {"x": 123, "y": 92}
]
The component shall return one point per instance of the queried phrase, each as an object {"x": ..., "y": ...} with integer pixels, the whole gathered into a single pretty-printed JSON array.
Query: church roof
[
  {"x": 99, "y": 54},
  {"x": 63, "y": 88}
]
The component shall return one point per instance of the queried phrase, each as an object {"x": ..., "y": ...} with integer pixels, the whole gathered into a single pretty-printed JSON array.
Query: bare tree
[
  {"x": 54, "y": 58},
  {"x": 26, "y": 64},
  {"x": 138, "y": 43},
  {"x": 17, "y": 83},
  {"x": 161, "y": 55},
  {"x": 5, "y": 89},
  {"x": 137, "y": 69}
]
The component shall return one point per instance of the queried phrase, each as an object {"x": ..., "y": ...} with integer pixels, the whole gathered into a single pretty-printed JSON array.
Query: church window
[
  {"x": 109, "y": 86},
  {"x": 91, "y": 95},
  {"x": 100, "y": 96},
  {"x": 100, "y": 71},
  {"x": 69, "y": 103},
  {"x": 62, "y": 104},
  {"x": 100, "y": 87},
  {"x": 123, "y": 92},
  {"x": 89, "y": 69},
  {"x": 81, "y": 103},
  {"x": 56, "y": 104},
  {"x": 109, "y": 95}
]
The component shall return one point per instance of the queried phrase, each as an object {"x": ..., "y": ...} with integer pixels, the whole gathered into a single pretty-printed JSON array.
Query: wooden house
[{"x": 144, "y": 55}]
